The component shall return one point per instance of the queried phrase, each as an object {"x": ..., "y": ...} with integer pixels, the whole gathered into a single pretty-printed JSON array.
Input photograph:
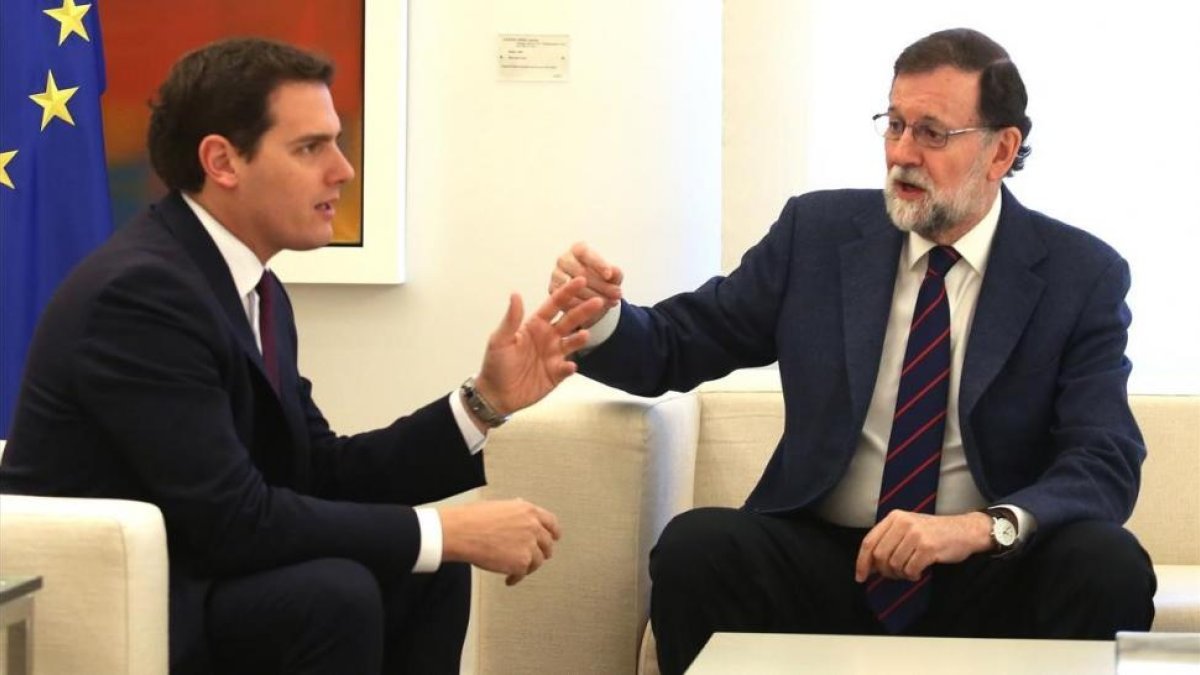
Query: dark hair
[
  {"x": 222, "y": 88},
  {"x": 1002, "y": 96}
]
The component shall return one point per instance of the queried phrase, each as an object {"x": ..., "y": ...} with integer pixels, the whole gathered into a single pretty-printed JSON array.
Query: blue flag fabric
[{"x": 54, "y": 199}]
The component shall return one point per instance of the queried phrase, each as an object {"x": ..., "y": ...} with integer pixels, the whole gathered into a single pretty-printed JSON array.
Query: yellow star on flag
[
  {"x": 70, "y": 19},
  {"x": 54, "y": 101},
  {"x": 5, "y": 158}
]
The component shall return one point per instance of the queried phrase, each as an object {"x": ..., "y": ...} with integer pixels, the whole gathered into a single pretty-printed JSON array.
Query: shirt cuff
[
  {"x": 429, "y": 556},
  {"x": 603, "y": 329},
  {"x": 1026, "y": 523},
  {"x": 472, "y": 436}
]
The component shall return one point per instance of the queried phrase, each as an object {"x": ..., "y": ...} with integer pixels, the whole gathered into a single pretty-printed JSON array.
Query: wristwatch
[
  {"x": 1004, "y": 532},
  {"x": 480, "y": 406}
]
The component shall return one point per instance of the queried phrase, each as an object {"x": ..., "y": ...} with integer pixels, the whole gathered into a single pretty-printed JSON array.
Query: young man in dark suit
[
  {"x": 164, "y": 370},
  {"x": 959, "y": 453}
]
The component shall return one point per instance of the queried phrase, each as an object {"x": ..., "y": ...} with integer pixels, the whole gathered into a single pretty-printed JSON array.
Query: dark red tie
[
  {"x": 910, "y": 473},
  {"x": 266, "y": 326}
]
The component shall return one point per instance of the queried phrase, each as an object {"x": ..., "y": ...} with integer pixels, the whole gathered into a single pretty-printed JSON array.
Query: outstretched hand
[
  {"x": 603, "y": 279},
  {"x": 526, "y": 361}
]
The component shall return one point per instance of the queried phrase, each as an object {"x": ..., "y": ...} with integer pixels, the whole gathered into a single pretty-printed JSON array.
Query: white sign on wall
[{"x": 533, "y": 58}]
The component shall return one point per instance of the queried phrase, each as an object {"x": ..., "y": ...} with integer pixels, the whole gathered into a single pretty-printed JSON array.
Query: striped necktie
[{"x": 911, "y": 470}]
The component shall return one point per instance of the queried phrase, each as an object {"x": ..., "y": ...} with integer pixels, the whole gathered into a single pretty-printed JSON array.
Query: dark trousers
[
  {"x": 334, "y": 616},
  {"x": 721, "y": 569}
]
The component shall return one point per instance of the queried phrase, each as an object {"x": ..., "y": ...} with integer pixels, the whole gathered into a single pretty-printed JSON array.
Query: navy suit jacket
[
  {"x": 1043, "y": 407},
  {"x": 144, "y": 382}
]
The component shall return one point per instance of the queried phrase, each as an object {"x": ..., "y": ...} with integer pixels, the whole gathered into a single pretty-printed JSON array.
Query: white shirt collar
[
  {"x": 974, "y": 246},
  {"x": 245, "y": 267}
]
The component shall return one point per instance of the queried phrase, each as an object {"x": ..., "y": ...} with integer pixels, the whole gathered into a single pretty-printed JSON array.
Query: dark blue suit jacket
[
  {"x": 1043, "y": 407},
  {"x": 144, "y": 382}
]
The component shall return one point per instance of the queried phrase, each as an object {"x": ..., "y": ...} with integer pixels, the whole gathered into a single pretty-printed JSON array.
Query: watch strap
[{"x": 479, "y": 406}]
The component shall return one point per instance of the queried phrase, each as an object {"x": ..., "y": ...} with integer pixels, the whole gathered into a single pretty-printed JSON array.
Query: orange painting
[{"x": 143, "y": 38}]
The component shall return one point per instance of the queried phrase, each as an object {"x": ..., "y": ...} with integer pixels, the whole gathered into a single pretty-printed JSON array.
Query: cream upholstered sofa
[{"x": 613, "y": 467}]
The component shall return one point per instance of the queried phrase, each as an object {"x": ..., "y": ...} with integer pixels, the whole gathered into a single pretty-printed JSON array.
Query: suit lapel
[
  {"x": 1010, "y": 293},
  {"x": 184, "y": 225},
  {"x": 868, "y": 267}
]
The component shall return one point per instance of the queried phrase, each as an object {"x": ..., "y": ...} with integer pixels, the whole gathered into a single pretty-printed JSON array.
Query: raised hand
[
  {"x": 526, "y": 361},
  {"x": 603, "y": 280}
]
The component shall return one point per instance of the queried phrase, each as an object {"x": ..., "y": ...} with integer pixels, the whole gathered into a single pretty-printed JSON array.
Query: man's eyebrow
[
  {"x": 310, "y": 138},
  {"x": 923, "y": 118}
]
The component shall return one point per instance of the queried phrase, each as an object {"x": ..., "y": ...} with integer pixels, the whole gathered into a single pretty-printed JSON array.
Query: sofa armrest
[
  {"x": 103, "y": 562},
  {"x": 614, "y": 468}
]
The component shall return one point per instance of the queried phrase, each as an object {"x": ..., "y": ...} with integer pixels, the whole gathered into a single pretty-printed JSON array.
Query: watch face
[{"x": 1004, "y": 531}]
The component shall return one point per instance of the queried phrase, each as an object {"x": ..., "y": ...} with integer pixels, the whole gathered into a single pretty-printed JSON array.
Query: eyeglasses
[{"x": 925, "y": 134}]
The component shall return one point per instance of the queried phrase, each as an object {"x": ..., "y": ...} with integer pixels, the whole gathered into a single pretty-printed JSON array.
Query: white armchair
[{"x": 103, "y": 562}]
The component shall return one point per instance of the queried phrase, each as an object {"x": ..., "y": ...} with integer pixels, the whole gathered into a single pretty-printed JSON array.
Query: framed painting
[{"x": 368, "y": 42}]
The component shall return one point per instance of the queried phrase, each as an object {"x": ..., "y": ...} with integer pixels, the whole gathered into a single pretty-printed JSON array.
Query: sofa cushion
[{"x": 1167, "y": 514}]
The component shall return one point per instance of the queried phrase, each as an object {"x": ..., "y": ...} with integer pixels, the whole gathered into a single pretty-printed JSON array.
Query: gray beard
[
  {"x": 909, "y": 217},
  {"x": 938, "y": 212}
]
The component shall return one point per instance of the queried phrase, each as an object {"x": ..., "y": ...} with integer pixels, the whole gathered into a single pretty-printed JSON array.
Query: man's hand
[
  {"x": 526, "y": 361},
  {"x": 903, "y": 544},
  {"x": 603, "y": 280},
  {"x": 511, "y": 537}
]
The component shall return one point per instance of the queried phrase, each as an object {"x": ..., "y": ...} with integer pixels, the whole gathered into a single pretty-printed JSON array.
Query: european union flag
[{"x": 54, "y": 202}]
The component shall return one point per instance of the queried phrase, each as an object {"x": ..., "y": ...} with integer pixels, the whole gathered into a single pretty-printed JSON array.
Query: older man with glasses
[{"x": 959, "y": 453}]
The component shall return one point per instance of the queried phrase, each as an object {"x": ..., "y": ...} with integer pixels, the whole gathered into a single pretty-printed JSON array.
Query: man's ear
[
  {"x": 1009, "y": 142},
  {"x": 219, "y": 160}
]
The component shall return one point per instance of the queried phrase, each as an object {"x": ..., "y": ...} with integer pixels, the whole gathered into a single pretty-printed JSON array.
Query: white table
[{"x": 764, "y": 654}]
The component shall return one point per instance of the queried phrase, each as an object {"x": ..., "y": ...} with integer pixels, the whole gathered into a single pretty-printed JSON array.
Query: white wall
[{"x": 502, "y": 177}]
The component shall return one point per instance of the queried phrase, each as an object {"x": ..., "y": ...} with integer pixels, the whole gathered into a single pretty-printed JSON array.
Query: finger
[
  {"x": 513, "y": 579},
  {"x": 579, "y": 315},
  {"x": 545, "y": 542},
  {"x": 550, "y": 522},
  {"x": 559, "y": 276},
  {"x": 537, "y": 561},
  {"x": 915, "y": 567},
  {"x": 562, "y": 276},
  {"x": 569, "y": 263},
  {"x": 901, "y": 556},
  {"x": 596, "y": 286},
  {"x": 562, "y": 370},
  {"x": 607, "y": 292},
  {"x": 885, "y": 552},
  {"x": 573, "y": 343},
  {"x": 605, "y": 287},
  {"x": 512, "y": 318},
  {"x": 589, "y": 258},
  {"x": 866, "y": 551},
  {"x": 560, "y": 299},
  {"x": 617, "y": 275}
]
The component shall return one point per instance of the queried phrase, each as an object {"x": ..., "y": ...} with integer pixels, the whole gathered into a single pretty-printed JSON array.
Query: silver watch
[
  {"x": 480, "y": 406},
  {"x": 1004, "y": 532}
]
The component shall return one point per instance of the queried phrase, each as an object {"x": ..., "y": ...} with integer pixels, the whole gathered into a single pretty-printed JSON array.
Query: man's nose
[
  {"x": 342, "y": 170},
  {"x": 904, "y": 151}
]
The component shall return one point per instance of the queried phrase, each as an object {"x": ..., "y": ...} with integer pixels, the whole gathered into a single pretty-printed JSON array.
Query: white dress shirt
[
  {"x": 853, "y": 501},
  {"x": 247, "y": 269}
]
